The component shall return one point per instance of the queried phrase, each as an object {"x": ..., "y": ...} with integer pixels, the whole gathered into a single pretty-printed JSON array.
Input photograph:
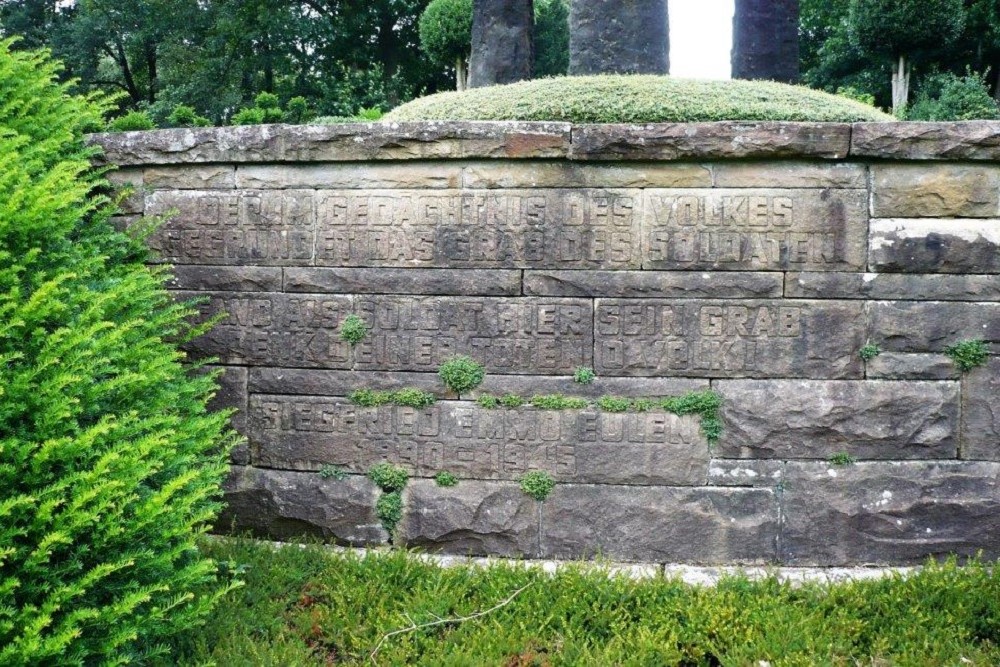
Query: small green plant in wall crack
[
  {"x": 842, "y": 459},
  {"x": 372, "y": 398},
  {"x": 558, "y": 402},
  {"x": 462, "y": 374},
  {"x": 614, "y": 403},
  {"x": 968, "y": 354},
  {"x": 389, "y": 510},
  {"x": 413, "y": 398},
  {"x": 391, "y": 480},
  {"x": 869, "y": 351},
  {"x": 584, "y": 375},
  {"x": 353, "y": 330},
  {"x": 538, "y": 484},
  {"x": 388, "y": 477},
  {"x": 511, "y": 401},
  {"x": 333, "y": 472},
  {"x": 445, "y": 479}
]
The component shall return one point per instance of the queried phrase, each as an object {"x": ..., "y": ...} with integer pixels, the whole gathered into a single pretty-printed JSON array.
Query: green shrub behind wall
[{"x": 109, "y": 463}]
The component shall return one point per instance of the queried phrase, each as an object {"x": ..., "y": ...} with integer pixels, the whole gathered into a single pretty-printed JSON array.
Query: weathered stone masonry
[{"x": 753, "y": 258}]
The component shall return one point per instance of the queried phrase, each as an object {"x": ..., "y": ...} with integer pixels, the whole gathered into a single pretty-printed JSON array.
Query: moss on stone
[{"x": 638, "y": 99}]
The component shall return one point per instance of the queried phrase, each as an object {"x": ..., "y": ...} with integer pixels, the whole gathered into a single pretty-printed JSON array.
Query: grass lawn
[{"x": 311, "y": 606}]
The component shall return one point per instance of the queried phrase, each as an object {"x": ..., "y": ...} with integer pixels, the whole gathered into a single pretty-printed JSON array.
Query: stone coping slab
[
  {"x": 693, "y": 575},
  {"x": 723, "y": 140}
]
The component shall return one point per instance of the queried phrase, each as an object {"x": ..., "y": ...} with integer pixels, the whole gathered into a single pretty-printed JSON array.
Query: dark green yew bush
[{"x": 110, "y": 464}]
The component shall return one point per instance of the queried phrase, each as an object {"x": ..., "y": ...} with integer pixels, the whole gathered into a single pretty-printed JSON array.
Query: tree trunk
[
  {"x": 150, "y": 48},
  {"x": 627, "y": 37},
  {"x": 900, "y": 87},
  {"x": 502, "y": 42},
  {"x": 122, "y": 59},
  {"x": 766, "y": 40},
  {"x": 461, "y": 74}
]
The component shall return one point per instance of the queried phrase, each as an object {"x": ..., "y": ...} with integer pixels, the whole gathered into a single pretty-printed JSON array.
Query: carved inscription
[
  {"x": 565, "y": 228},
  {"x": 823, "y": 230},
  {"x": 531, "y": 335},
  {"x": 460, "y": 437},
  {"x": 754, "y": 338}
]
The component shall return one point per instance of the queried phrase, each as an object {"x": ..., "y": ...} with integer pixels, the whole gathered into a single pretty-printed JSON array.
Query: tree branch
[{"x": 443, "y": 621}]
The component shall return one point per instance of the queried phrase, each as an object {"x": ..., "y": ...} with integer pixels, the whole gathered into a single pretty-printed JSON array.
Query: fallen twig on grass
[{"x": 443, "y": 621}]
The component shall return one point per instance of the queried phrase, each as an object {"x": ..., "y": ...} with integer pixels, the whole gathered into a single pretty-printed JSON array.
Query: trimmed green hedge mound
[
  {"x": 638, "y": 99},
  {"x": 110, "y": 463}
]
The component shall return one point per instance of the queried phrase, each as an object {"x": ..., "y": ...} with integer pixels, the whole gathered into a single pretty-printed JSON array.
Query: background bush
[
  {"x": 947, "y": 96},
  {"x": 637, "y": 99},
  {"x": 109, "y": 462}
]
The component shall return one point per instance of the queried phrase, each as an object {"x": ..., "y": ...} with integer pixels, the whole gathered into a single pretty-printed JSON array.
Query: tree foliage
[
  {"x": 946, "y": 96},
  {"x": 551, "y": 37},
  {"x": 904, "y": 27},
  {"x": 110, "y": 463},
  {"x": 217, "y": 56},
  {"x": 832, "y": 57},
  {"x": 446, "y": 31}
]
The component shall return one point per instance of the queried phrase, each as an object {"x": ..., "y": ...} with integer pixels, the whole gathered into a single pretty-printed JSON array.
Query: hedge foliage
[
  {"x": 110, "y": 463},
  {"x": 308, "y": 606},
  {"x": 637, "y": 99}
]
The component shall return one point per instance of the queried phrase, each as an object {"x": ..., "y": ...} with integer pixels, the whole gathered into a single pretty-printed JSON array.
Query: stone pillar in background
[
  {"x": 766, "y": 40},
  {"x": 502, "y": 42},
  {"x": 619, "y": 37}
]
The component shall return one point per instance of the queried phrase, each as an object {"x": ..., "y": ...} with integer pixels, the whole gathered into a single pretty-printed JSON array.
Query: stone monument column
[
  {"x": 502, "y": 42},
  {"x": 766, "y": 40},
  {"x": 619, "y": 37}
]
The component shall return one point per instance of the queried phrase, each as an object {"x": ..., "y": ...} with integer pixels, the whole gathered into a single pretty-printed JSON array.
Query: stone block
[
  {"x": 335, "y": 143},
  {"x": 470, "y": 519},
  {"x": 975, "y": 140},
  {"x": 245, "y": 227},
  {"x": 660, "y": 524},
  {"x": 529, "y": 335},
  {"x": 905, "y": 366},
  {"x": 935, "y": 191},
  {"x": 349, "y": 176},
  {"x": 312, "y": 382},
  {"x": 931, "y": 326},
  {"x": 491, "y": 175},
  {"x": 720, "y": 140},
  {"x": 191, "y": 177},
  {"x": 790, "y": 174},
  {"x": 934, "y": 245},
  {"x": 889, "y": 513},
  {"x": 585, "y": 446},
  {"x": 226, "y": 278},
  {"x": 132, "y": 179},
  {"x": 981, "y": 412},
  {"x": 718, "y": 339},
  {"x": 755, "y": 229},
  {"x": 802, "y": 419},
  {"x": 473, "y": 229},
  {"x": 435, "y": 282},
  {"x": 746, "y": 472},
  {"x": 284, "y": 505},
  {"x": 654, "y": 284},
  {"x": 426, "y": 140},
  {"x": 528, "y": 385},
  {"x": 883, "y": 286},
  {"x": 232, "y": 395}
]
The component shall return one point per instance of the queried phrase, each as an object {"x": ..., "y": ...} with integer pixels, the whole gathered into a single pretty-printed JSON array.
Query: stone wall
[{"x": 753, "y": 259}]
